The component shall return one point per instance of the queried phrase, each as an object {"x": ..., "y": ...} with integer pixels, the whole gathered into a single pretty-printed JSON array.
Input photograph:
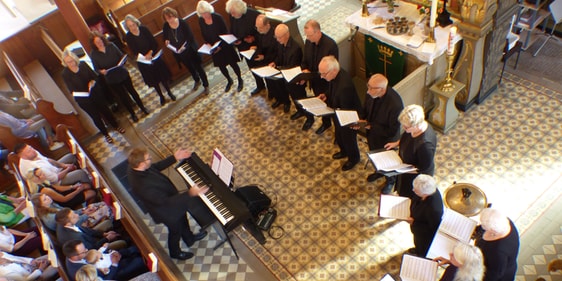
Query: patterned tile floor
[{"x": 509, "y": 146}]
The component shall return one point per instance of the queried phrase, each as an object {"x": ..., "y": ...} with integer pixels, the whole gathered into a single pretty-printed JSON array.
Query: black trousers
[
  {"x": 122, "y": 88},
  {"x": 346, "y": 138},
  {"x": 193, "y": 63},
  {"x": 176, "y": 231}
]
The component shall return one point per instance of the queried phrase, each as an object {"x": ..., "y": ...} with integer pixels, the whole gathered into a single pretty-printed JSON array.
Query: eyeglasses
[
  {"x": 323, "y": 74},
  {"x": 373, "y": 88}
]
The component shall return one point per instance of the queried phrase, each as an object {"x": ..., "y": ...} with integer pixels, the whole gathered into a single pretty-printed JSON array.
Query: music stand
[{"x": 556, "y": 12}]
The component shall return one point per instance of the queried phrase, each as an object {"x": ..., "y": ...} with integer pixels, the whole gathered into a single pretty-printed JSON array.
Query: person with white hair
[
  {"x": 242, "y": 25},
  {"x": 212, "y": 26},
  {"x": 417, "y": 147},
  {"x": 466, "y": 263},
  {"x": 426, "y": 211},
  {"x": 499, "y": 245}
]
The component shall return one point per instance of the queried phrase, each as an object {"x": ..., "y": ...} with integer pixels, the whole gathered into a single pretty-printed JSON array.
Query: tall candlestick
[
  {"x": 451, "y": 45},
  {"x": 433, "y": 14}
]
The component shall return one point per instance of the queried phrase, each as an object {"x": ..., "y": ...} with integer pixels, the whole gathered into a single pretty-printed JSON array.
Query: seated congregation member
[
  {"x": 242, "y": 20},
  {"x": 466, "y": 263},
  {"x": 341, "y": 94},
  {"x": 15, "y": 104},
  {"x": 106, "y": 55},
  {"x": 141, "y": 42},
  {"x": 30, "y": 128},
  {"x": 62, "y": 171},
  {"x": 20, "y": 268},
  {"x": 176, "y": 32},
  {"x": 499, "y": 245},
  {"x": 97, "y": 216},
  {"x": 12, "y": 210},
  {"x": 87, "y": 272},
  {"x": 70, "y": 195},
  {"x": 79, "y": 77},
  {"x": 125, "y": 264},
  {"x": 161, "y": 198},
  {"x": 289, "y": 55},
  {"x": 67, "y": 229},
  {"x": 212, "y": 25},
  {"x": 416, "y": 146},
  {"x": 317, "y": 46},
  {"x": 426, "y": 211},
  {"x": 19, "y": 243}
]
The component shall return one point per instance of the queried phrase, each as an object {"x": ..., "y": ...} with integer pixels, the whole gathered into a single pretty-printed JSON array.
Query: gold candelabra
[
  {"x": 447, "y": 84},
  {"x": 431, "y": 35},
  {"x": 364, "y": 9}
]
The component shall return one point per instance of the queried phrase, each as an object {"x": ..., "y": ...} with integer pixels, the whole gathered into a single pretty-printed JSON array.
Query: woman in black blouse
[
  {"x": 426, "y": 211},
  {"x": 417, "y": 147},
  {"x": 176, "y": 32},
  {"x": 79, "y": 77},
  {"x": 105, "y": 56},
  {"x": 141, "y": 42},
  {"x": 212, "y": 25}
]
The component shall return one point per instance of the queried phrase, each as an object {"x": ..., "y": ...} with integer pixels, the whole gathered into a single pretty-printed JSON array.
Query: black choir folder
[
  {"x": 454, "y": 228},
  {"x": 394, "y": 207},
  {"x": 418, "y": 269},
  {"x": 389, "y": 163}
]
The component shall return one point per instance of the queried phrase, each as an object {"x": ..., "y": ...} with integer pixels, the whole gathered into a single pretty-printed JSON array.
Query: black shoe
[
  {"x": 114, "y": 107},
  {"x": 387, "y": 189},
  {"x": 135, "y": 118},
  {"x": 256, "y": 91},
  {"x": 338, "y": 155},
  {"x": 183, "y": 256},
  {"x": 228, "y": 86},
  {"x": 373, "y": 177},
  {"x": 276, "y": 104},
  {"x": 172, "y": 97},
  {"x": 196, "y": 86},
  {"x": 322, "y": 129},
  {"x": 297, "y": 115},
  {"x": 412, "y": 251},
  {"x": 307, "y": 124},
  {"x": 240, "y": 85},
  {"x": 286, "y": 107},
  {"x": 162, "y": 101},
  {"x": 145, "y": 111},
  {"x": 348, "y": 165},
  {"x": 206, "y": 90},
  {"x": 197, "y": 237}
]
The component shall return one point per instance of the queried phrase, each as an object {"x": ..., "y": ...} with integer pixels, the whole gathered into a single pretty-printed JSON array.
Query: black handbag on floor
[{"x": 256, "y": 200}]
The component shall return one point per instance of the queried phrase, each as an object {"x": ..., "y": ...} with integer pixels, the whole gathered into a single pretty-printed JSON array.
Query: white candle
[
  {"x": 433, "y": 13},
  {"x": 451, "y": 45}
]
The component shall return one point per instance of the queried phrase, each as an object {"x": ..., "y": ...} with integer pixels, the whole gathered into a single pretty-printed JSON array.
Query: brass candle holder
[
  {"x": 447, "y": 84},
  {"x": 364, "y": 9},
  {"x": 431, "y": 35}
]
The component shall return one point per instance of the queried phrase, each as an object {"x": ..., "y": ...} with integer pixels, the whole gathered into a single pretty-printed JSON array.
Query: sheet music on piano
[{"x": 222, "y": 166}]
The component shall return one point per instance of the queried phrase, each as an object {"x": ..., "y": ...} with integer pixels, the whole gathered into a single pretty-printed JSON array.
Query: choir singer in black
[{"x": 161, "y": 198}]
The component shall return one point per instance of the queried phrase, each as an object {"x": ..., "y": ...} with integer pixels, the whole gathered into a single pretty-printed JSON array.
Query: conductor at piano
[{"x": 161, "y": 198}]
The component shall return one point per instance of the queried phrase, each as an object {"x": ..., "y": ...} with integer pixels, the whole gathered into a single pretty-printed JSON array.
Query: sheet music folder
[{"x": 391, "y": 165}]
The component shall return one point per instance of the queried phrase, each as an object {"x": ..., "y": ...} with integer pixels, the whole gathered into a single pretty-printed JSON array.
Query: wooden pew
[
  {"x": 47, "y": 109},
  {"x": 10, "y": 141}
]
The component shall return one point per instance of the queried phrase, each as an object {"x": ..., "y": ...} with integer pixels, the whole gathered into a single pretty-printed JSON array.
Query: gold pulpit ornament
[
  {"x": 447, "y": 85},
  {"x": 364, "y": 9}
]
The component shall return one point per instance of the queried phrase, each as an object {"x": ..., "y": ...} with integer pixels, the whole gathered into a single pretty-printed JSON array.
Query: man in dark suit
[
  {"x": 317, "y": 46},
  {"x": 266, "y": 49},
  {"x": 288, "y": 55},
  {"x": 382, "y": 107},
  {"x": 161, "y": 198},
  {"x": 341, "y": 94},
  {"x": 68, "y": 230},
  {"x": 125, "y": 264}
]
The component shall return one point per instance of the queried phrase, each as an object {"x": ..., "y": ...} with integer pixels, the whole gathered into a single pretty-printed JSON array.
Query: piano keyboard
[{"x": 209, "y": 198}]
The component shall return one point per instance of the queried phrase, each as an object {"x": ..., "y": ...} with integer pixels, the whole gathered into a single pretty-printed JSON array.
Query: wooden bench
[
  {"x": 10, "y": 140},
  {"x": 55, "y": 118}
]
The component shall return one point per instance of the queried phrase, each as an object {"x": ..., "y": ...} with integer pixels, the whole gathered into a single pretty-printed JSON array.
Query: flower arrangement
[{"x": 424, "y": 8}]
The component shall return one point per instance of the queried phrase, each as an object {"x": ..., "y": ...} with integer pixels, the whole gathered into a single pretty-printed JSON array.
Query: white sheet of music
[
  {"x": 347, "y": 117},
  {"x": 248, "y": 54},
  {"x": 418, "y": 269},
  {"x": 222, "y": 166},
  {"x": 387, "y": 277},
  {"x": 389, "y": 161},
  {"x": 291, "y": 73},
  {"x": 395, "y": 207},
  {"x": 457, "y": 225},
  {"x": 228, "y": 38},
  {"x": 441, "y": 246},
  {"x": 265, "y": 71}
]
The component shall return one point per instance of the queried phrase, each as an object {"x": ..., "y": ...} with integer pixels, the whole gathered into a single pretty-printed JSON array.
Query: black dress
[
  {"x": 190, "y": 58},
  {"x": 95, "y": 104},
  {"x": 154, "y": 73},
  {"x": 227, "y": 55},
  {"x": 420, "y": 152},
  {"x": 72, "y": 203},
  {"x": 427, "y": 216},
  {"x": 500, "y": 256}
]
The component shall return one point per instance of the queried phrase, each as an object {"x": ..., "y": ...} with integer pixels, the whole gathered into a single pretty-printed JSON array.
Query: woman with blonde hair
[
  {"x": 466, "y": 263},
  {"x": 87, "y": 272},
  {"x": 416, "y": 147}
]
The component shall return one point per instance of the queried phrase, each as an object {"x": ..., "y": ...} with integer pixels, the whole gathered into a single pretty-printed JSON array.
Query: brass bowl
[{"x": 465, "y": 198}]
